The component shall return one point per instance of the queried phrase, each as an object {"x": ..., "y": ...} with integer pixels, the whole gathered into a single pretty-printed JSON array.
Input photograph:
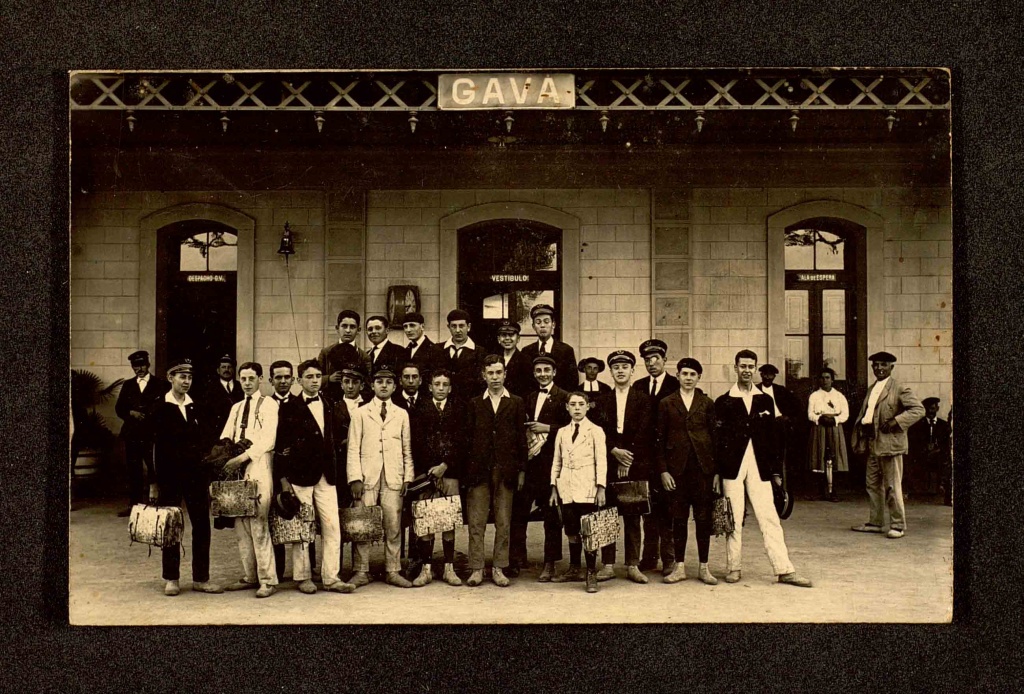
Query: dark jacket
[
  {"x": 567, "y": 375},
  {"x": 637, "y": 432},
  {"x": 736, "y": 428},
  {"x": 390, "y": 355},
  {"x": 129, "y": 398},
  {"x": 303, "y": 453},
  {"x": 787, "y": 403},
  {"x": 439, "y": 437},
  {"x": 518, "y": 374},
  {"x": 423, "y": 359},
  {"x": 467, "y": 370},
  {"x": 334, "y": 358},
  {"x": 668, "y": 386},
  {"x": 217, "y": 403},
  {"x": 554, "y": 414},
  {"x": 497, "y": 440},
  {"x": 929, "y": 450},
  {"x": 400, "y": 399},
  {"x": 681, "y": 432},
  {"x": 178, "y": 445}
]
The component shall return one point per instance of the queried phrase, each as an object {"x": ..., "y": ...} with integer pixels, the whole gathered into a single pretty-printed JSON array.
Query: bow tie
[
  {"x": 315, "y": 398},
  {"x": 543, "y": 390}
]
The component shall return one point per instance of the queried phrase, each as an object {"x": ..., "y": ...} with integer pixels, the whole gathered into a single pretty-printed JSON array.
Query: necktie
[
  {"x": 542, "y": 350},
  {"x": 654, "y": 386},
  {"x": 383, "y": 411},
  {"x": 315, "y": 398},
  {"x": 376, "y": 353},
  {"x": 245, "y": 413},
  {"x": 439, "y": 407},
  {"x": 227, "y": 386},
  {"x": 575, "y": 432},
  {"x": 455, "y": 352},
  {"x": 412, "y": 346},
  {"x": 412, "y": 401}
]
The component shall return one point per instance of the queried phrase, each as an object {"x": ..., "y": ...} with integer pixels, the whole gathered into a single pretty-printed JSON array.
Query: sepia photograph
[{"x": 552, "y": 346}]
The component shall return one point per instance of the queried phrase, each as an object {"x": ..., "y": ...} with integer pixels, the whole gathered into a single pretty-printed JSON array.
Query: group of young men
[{"x": 365, "y": 424}]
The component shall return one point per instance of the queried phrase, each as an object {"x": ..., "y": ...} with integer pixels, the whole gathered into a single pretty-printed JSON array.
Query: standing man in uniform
[
  {"x": 658, "y": 385},
  {"x": 221, "y": 394},
  {"x": 420, "y": 349},
  {"x": 518, "y": 372},
  {"x": 459, "y": 355},
  {"x": 544, "y": 324},
  {"x": 889, "y": 410},
  {"x": 134, "y": 402},
  {"x": 546, "y": 409},
  {"x": 334, "y": 358},
  {"x": 627, "y": 417},
  {"x": 685, "y": 461},
  {"x": 749, "y": 459},
  {"x": 305, "y": 462},
  {"x": 179, "y": 437},
  {"x": 495, "y": 468},
  {"x": 254, "y": 419},
  {"x": 590, "y": 368}
]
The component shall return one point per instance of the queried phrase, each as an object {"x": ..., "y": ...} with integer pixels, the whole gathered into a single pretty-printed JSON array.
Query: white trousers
[
  {"x": 254, "y": 546},
  {"x": 761, "y": 500},
  {"x": 324, "y": 498}
]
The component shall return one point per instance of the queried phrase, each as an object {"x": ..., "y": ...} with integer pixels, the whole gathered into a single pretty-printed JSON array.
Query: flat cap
[
  {"x": 140, "y": 357},
  {"x": 929, "y": 400},
  {"x": 542, "y": 310},
  {"x": 591, "y": 360},
  {"x": 183, "y": 365},
  {"x": 384, "y": 371},
  {"x": 226, "y": 359},
  {"x": 414, "y": 317},
  {"x": 353, "y": 370},
  {"x": 621, "y": 356},
  {"x": 883, "y": 356},
  {"x": 649, "y": 348},
  {"x": 690, "y": 363},
  {"x": 544, "y": 359},
  {"x": 769, "y": 369},
  {"x": 507, "y": 326}
]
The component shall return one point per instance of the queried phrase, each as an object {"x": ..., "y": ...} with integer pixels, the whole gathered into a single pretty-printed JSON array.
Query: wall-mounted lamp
[{"x": 287, "y": 242}]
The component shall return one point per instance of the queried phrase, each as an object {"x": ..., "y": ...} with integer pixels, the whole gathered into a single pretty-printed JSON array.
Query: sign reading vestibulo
[{"x": 473, "y": 91}]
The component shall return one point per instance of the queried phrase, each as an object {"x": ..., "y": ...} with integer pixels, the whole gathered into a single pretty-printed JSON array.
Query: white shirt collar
[
  {"x": 883, "y": 381},
  {"x": 377, "y": 348},
  {"x": 735, "y": 392},
  {"x": 487, "y": 394},
  {"x": 468, "y": 343},
  {"x": 142, "y": 378}
]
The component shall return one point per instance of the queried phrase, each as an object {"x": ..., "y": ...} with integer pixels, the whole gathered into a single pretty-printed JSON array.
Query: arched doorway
[{"x": 196, "y": 288}]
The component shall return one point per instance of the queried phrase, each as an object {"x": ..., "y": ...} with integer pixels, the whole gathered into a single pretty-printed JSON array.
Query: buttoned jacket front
[
  {"x": 580, "y": 465},
  {"x": 379, "y": 447}
]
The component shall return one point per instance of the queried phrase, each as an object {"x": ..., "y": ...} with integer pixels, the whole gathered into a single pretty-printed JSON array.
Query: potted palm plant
[{"x": 92, "y": 440}]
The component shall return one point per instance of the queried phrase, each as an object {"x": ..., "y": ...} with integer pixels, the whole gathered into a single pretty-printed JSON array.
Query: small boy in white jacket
[{"x": 578, "y": 473}]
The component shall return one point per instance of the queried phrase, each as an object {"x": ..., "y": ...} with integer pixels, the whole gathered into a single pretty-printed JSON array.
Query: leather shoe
[
  {"x": 499, "y": 578},
  {"x": 733, "y": 576},
  {"x": 265, "y": 591},
  {"x": 668, "y": 570},
  {"x": 678, "y": 574},
  {"x": 794, "y": 579},
  {"x": 635, "y": 575},
  {"x": 171, "y": 588},
  {"x": 648, "y": 564},
  {"x": 833, "y": 497},
  {"x": 359, "y": 579},
  {"x": 241, "y": 585},
  {"x": 573, "y": 573},
  {"x": 591, "y": 581},
  {"x": 606, "y": 573},
  {"x": 396, "y": 579},
  {"x": 307, "y": 587},
  {"x": 425, "y": 577},
  {"x": 341, "y": 587},
  {"x": 704, "y": 574},
  {"x": 512, "y": 571},
  {"x": 867, "y": 528},
  {"x": 475, "y": 578},
  {"x": 894, "y": 533},
  {"x": 450, "y": 577},
  {"x": 207, "y": 587},
  {"x": 547, "y": 573}
]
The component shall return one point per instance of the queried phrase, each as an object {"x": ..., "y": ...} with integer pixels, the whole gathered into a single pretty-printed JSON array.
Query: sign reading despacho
[{"x": 474, "y": 91}]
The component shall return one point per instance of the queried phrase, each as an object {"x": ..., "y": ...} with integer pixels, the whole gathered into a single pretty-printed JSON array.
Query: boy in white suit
[
  {"x": 254, "y": 419},
  {"x": 578, "y": 474},
  {"x": 379, "y": 468}
]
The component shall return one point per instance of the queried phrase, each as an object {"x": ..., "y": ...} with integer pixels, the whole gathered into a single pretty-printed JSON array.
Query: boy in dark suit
[
  {"x": 749, "y": 459},
  {"x": 305, "y": 462},
  {"x": 179, "y": 438},
  {"x": 518, "y": 371},
  {"x": 929, "y": 444},
  {"x": 627, "y": 417},
  {"x": 383, "y": 352},
  {"x": 411, "y": 387},
  {"x": 439, "y": 429},
  {"x": 134, "y": 401},
  {"x": 333, "y": 358},
  {"x": 495, "y": 468},
  {"x": 547, "y": 413},
  {"x": 685, "y": 462},
  {"x": 220, "y": 395},
  {"x": 544, "y": 324},
  {"x": 420, "y": 348},
  {"x": 460, "y": 356}
]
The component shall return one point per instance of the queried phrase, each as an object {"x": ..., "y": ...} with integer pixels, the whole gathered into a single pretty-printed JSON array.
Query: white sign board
[{"x": 506, "y": 91}]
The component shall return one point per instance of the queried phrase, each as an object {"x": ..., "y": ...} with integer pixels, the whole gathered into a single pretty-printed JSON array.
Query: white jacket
[
  {"x": 376, "y": 446},
  {"x": 580, "y": 465}
]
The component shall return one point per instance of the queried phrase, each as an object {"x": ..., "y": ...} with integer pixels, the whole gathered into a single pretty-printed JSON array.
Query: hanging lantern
[
  {"x": 131, "y": 121},
  {"x": 508, "y": 121},
  {"x": 318, "y": 117},
  {"x": 890, "y": 120},
  {"x": 224, "y": 120},
  {"x": 413, "y": 122},
  {"x": 287, "y": 242},
  {"x": 604, "y": 121},
  {"x": 794, "y": 119},
  {"x": 700, "y": 120}
]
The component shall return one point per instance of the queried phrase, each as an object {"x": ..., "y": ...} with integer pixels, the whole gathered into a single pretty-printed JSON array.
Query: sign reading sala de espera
[{"x": 472, "y": 91}]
